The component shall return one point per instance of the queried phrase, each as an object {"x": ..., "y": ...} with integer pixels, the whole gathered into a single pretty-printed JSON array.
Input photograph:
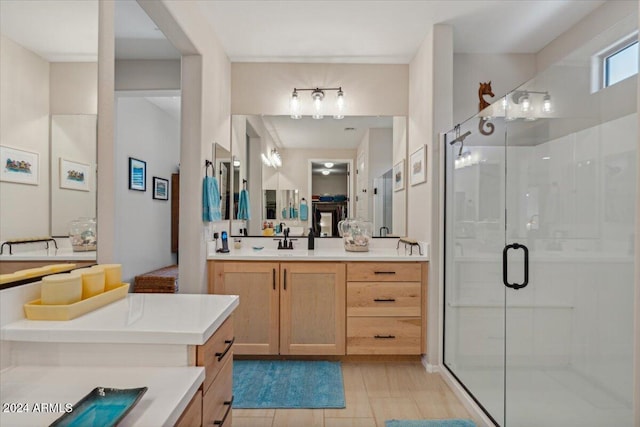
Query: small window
[{"x": 620, "y": 63}]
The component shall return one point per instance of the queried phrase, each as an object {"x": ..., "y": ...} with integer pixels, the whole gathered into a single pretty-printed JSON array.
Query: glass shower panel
[
  {"x": 570, "y": 192},
  {"x": 474, "y": 227}
]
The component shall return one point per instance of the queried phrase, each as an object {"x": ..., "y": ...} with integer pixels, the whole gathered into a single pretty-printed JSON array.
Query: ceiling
[
  {"x": 348, "y": 31},
  {"x": 58, "y": 31},
  {"x": 384, "y": 31},
  {"x": 328, "y": 133}
]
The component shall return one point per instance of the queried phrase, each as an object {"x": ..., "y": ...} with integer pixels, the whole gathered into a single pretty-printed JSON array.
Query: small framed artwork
[
  {"x": 74, "y": 175},
  {"x": 19, "y": 166},
  {"x": 160, "y": 188},
  {"x": 398, "y": 176},
  {"x": 137, "y": 174},
  {"x": 418, "y": 166}
]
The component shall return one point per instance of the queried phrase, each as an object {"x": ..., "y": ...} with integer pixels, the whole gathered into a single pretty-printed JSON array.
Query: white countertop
[
  {"x": 51, "y": 254},
  {"x": 169, "y": 391},
  {"x": 139, "y": 318},
  {"x": 326, "y": 254}
]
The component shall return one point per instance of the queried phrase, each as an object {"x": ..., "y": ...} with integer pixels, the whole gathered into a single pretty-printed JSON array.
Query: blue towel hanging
[
  {"x": 243, "y": 205},
  {"x": 210, "y": 200},
  {"x": 304, "y": 210}
]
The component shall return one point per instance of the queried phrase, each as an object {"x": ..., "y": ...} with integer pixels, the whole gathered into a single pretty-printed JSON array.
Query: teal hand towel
[
  {"x": 304, "y": 212},
  {"x": 210, "y": 200},
  {"x": 243, "y": 205}
]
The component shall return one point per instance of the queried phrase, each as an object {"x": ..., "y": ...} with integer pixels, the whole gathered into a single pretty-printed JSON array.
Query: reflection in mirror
[
  {"x": 73, "y": 149},
  {"x": 277, "y": 155},
  {"x": 224, "y": 170},
  {"x": 48, "y": 106},
  {"x": 329, "y": 195}
]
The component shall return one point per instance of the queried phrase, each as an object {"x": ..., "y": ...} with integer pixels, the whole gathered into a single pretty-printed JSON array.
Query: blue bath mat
[
  {"x": 430, "y": 423},
  {"x": 287, "y": 384}
]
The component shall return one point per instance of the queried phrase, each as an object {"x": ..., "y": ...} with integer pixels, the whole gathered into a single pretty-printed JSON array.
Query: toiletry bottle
[{"x": 311, "y": 240}]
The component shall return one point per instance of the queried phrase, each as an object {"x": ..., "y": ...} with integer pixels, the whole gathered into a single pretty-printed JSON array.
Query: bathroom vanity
[
  {"x": 179, "y": 346},
  {"x": 326, "y": 301}
]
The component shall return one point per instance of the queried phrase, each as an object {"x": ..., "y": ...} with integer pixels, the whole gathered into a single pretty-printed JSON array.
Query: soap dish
[{"x": 258, "y": 248}]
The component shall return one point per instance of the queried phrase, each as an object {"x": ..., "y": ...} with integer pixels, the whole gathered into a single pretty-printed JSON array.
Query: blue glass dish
[{"x": 103, "y": 407}]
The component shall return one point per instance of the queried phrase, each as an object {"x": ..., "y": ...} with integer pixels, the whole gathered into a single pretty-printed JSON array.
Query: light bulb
[
  {"x": 265, "y": 159},
  {"x": 294, "y": 105},
  {"x": 325, "y": 172},
  {"x": 236, "y": 163},
  {"x": 546, "y": 104},
  {"x": 525, "y": 103},
  {"x": 276, "y": 161},
  {"x": 339, "y": 105},
  {"x": 317, "y": 96},
  {"x": 328, "y": 165}
]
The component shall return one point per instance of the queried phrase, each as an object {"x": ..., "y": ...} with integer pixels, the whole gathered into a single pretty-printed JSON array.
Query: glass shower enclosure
[{"x": 540, "y": 191}]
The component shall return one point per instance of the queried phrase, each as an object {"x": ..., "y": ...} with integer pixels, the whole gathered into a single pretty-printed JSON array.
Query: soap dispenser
[{"x": 310, "y": 240}]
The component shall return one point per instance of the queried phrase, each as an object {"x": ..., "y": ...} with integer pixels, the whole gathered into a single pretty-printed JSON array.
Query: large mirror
[
  {"x": 310, "y": 174},
  {"x": 48, "y": 113}
]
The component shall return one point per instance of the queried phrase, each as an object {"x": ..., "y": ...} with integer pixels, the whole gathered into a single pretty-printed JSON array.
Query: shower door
[
  {"x": 568, "y": 270},
  {"x": 474, "y": 240},
  {"x": 539, "y": 232}
]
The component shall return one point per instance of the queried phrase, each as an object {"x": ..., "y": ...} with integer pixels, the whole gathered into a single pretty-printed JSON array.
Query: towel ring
[{"x": 208, "y": 163}]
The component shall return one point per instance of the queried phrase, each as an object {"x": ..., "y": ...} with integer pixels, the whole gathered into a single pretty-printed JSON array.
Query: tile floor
[{"x": 374, "y": 392}]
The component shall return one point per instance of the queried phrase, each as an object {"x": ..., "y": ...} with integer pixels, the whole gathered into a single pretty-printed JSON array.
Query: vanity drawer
[
  {"x": 383, "y": 335},
  {"x": 192, "y": 415},
  {"x": 218, "y": 401},
  {"x": 215, "y": 352},
  {"x": 384, "y": 272},
  {"x": 383, "y": 299}
]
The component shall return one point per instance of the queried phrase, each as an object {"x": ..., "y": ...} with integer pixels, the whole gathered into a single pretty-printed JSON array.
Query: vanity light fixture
[
  {"x": 317, "y": 96},
  {"x": 275, "y": 158},
  {"x": 236, "y": 163},
  {"x": 328, "y": 165},
  {"x": 326, "y": 172},
  {"x": 523, "y": 98}
]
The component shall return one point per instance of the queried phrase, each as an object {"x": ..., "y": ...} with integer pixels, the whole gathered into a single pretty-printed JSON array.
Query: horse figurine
[{"x": 485, "y": 89}]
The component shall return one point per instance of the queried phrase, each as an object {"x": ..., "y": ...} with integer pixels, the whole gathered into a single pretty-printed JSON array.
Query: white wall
[
  {"x": 370, "y": 89},
  {"x": 506, "y": 72},
  {"x": 430, "y": 112},
  {"x": 143, "y": 235},
  {"x": 380, "y": 157},
  {"x": 206, "y": 118},
  {"x": 158, "y": 74},
  {"x": 24, "y": 114},
  {"x": 400, "y": 197},
  {"x": 74, "y": 88},
  {"x": 73, "y": 137},
  {"x": 329, "y": 184}
]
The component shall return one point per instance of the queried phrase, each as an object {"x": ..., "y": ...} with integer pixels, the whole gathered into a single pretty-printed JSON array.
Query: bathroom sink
[{"x": 280, "y": 253}]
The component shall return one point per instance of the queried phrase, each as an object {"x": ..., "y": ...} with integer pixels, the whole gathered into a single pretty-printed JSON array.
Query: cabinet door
[
  {"x": 256, "y": 320},
  {"x": 312, "y": 308}
]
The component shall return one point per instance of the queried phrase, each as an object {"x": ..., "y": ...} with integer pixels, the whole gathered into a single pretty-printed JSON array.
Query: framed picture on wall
[
  {"x": 160, "y": 188},
  {"x": 19, "y": 166},
  {"x": 74, "y": 175},
  {"x": 418, "y": 166},
  {"x": 137, "y": 174},
  {"x": 398, "y": 176}
]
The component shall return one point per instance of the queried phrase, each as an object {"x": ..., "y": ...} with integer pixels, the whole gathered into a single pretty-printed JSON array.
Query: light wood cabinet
[
  {"x": 285, "y": 308},
  {"x": 312, "y": 308},
  {"x": 216, "y": 356},
  {"x": 192, "y": 415},
  {"x": 386, "y": 308}
]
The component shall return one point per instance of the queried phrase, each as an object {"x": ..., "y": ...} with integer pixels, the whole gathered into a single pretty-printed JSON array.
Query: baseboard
[
  {"x": 431, "y": 368},
  {"x": 468, "y": 402}
]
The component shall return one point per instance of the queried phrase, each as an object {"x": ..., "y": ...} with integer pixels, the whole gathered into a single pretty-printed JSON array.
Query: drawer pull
[
  {"x": 274, "y": 279},
  {"x": 384, "y": 300},
  {"x": 228, "y": 403},
  {"x": 229, "y": 343},
  {"x": 384, "y": 272},
  {"x": 385, "y": 337}
]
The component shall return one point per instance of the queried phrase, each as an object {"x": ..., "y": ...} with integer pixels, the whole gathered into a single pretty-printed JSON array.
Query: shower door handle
[{"x": 526, "y": 266}]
